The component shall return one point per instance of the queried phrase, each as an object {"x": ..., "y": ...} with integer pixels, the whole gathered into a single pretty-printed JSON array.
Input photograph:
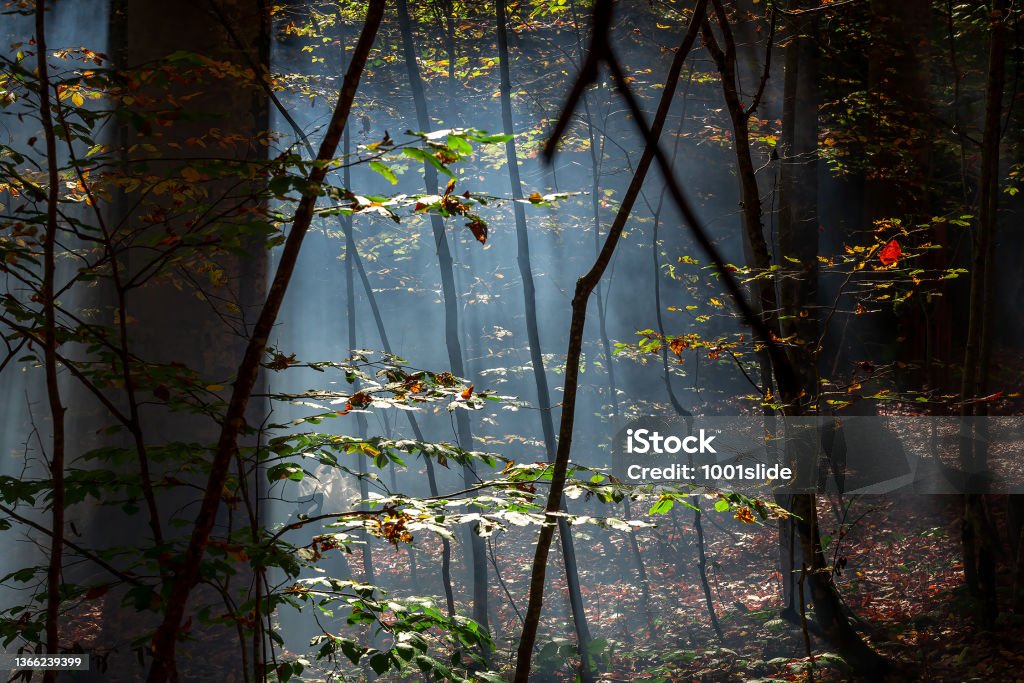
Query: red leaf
[
  {"x": 479, "y": 230},
  {"x": 677, "y": 346},
  {"x": 890, "y": 254},
  {"x": 982, "y": 399}
]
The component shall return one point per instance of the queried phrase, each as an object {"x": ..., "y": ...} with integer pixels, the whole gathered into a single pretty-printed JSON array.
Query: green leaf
[
  {"x": 721, "y": 505},
  {"x": 285, "y": 470},
  {"x": 430, "y": 665},
  {"x": 404, "y": 651},
  {"x": 425, "y": 157},
  {"x": 481, "y": 136},
  {"x": 352, "y": 650},
  {"x": 380, "y": 663},
  {"x": 459, "y": 145},
  {"x": 384, "y": 171},
  {"x": 663, "y": 506}
]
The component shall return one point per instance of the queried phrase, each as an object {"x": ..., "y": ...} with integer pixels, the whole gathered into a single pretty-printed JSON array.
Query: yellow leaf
[
  {"x": 78, "y": 99},
  {"x": 190, "y": 174},
  {"x": 215, "y": 387}
]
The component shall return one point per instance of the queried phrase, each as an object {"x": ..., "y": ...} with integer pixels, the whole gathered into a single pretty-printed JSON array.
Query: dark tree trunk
[
  {"x": 977, "y": 531},
  {"x": 677, "y": 406},
  {"x": 540, "y": 377},
  {"x": 602, "y": 327},
  {"x": 474, "y": 543},
  {"x": 584, "y": 287},
  {"x": 151, "y": 316},
  {"x": 350, "y": 316},
  {"x": 897, "y": 182},
  {"x": 54, "y": 571},
  {"x": 798, "y": 239}
]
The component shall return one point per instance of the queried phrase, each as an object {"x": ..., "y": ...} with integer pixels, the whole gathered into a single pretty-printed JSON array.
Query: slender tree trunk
[
  {"x": 584, "y": 287},
  {"x": 56, "y": 564},
  {"x": 187, "y": 574},
  {"x": 596, "y": 152},
  {"x": 572, "y": 578},
  {"x": 677, "y": 406},
  {"x": 595, "y": 202},
  {"x": 446, "y": 547},
  {"x": 350, "y": 315},
  {"x": 798, "y": 239},
  {"x": 602, "y": 327},
  {"x": 898, "y": 179},
  {"x": 474, "y": 543},
  {"x": 702, "y": 566},
  {"x": 798, "y": 204},
  {"x": 353, "y": 254},
  {"x": 977, "y": 532},
  {"x": 750, "y": 196}
]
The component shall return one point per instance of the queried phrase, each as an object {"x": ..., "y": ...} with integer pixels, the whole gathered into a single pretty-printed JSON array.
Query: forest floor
[
  {"x": 901, "y": 575},
  {"x": 899, "y": 572}
]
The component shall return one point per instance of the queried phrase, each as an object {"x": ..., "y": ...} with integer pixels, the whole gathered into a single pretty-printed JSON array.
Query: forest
[{"x": 509, "y": 341}]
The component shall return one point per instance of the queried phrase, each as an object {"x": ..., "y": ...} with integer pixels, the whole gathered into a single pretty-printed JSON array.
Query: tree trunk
[
  {"x": 572, "y": 578},
  {"x": 798, "y": 239},
  {"x": 350, "y": 315},
  {"x": 899, "y": 168},
  {"x": 151, "y": 316},
  {"x": 977, "y": 532},
  {"x": 56, "y": 563},
  {"x": 677, "y": 406},
  {"x": 475, "y": 544},
  {"x": 584, "y": 287}
]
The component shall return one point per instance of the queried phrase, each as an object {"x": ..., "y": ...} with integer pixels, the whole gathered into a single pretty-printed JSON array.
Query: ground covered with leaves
[{"x": 898, "y": 570}]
